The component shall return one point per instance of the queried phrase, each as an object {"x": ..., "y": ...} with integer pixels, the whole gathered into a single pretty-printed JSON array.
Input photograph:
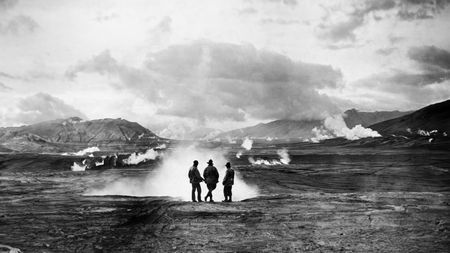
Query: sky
[{"x": 177, "y": 66}]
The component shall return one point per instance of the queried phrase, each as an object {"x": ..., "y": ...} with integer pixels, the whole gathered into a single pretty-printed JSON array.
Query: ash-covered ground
[{"x": 327, "y": 199}]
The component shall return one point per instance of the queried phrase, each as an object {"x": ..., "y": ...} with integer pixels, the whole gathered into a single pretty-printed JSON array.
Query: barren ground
[{"x": 339, "y": 200}]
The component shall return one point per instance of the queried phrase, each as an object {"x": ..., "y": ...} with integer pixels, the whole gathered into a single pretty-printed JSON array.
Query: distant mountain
[
  {"x": 354, "y": 117},
  {"x": 52, "y": 135},
  {"x": 302, "y": 129},
  {"x": 431, "y": 120},
  {"x": 278, "y": 129}
]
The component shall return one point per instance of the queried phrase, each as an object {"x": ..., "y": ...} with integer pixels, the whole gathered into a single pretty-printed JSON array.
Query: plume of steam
[
  {"x": 247, "y": 144},
  {"x": 78, "y": 167},
  {"x": 171, "y": 177},
  {"x": 162, "y": 146},
  {"x": 283, "y": 159},
  {"x": 260, "y": 161},
  {"x": 284, "y": 156},
  {"x": 334, "y": 126},
  {"x": 137, "y": 158},
  {"x": 100, "y": 163},
  {"x": 84, "y": 152}
]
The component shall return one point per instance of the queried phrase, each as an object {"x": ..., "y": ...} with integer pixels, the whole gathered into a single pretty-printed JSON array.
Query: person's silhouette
[
  {"x": 211, "y": 176},
  {"x": 195, "y": 180},
  {"x": 228, "y": 182}
]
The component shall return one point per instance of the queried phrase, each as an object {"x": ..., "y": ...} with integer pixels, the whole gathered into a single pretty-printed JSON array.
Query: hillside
[
  {"x": 52, "y": 135},
  {"x": 279, "y": 129},
  {"x": 430, "y": 120},
  {"x": 354, "y": 117},
  {"x": 302, "y": 129}
]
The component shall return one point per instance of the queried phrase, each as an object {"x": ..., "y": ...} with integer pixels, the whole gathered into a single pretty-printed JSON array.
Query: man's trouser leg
[
  {"x": 193, "y": 192},
  {"x": 199, "y": 192}
]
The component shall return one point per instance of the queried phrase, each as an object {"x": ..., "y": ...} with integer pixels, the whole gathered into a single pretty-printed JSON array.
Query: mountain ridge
[{"x": 77, "y": 132}]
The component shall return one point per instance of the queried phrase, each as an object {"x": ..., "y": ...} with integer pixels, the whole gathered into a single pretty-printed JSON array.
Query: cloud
[
  {"x": 285, "y": 2},
  {"x": 402, "y": 90},
  {"x": 165, "y": 25},
  {"x": 7, "y": 4},
  {"x": 104, "y": 17},
  {"x": 19, "y": 25},
  {"x": 279, "y": 21},
  {"x": 4, "y": 88},
  {"x": 37, "y": 108},
  {"x": 419, "y": 9},
  {"x": 247, "y": 11},
  {"x": 386, "y": 51},
  {"x": 430, "y": 55},
  {"x": 343, "y": 29},
  {"x": 219, "y": 81}
]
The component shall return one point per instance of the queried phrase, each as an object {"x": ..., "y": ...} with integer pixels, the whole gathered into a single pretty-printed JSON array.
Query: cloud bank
[
  {"x": 36, "y": 108},
  {"x": 204, "y": 81}
]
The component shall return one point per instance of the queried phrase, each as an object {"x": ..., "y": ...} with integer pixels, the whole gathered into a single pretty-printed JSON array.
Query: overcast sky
[{"x": 220, "y": 64}]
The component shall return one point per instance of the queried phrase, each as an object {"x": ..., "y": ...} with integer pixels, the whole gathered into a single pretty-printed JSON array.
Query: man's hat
[
  {"x": 228, "y": 165},
  {"x": 210, "y": 162},
  {"x": 195, "y": 162}
]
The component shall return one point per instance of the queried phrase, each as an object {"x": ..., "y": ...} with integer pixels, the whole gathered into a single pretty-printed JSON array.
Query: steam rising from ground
[
  {"x": 334, "y": 126},
  {"x": 84, "y": 152},
  {"x": 171, "y": 177},
  {"x": 137, "y": 158},
  {"x": 78, "y": 167},
  {"x": 247, "y": 144},
  {"x": 283, "y": 159}
]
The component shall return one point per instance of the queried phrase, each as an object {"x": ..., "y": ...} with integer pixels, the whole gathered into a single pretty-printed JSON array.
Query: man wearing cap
[
  {"x": 228, "y": 182},
  {"x": 211, "y": 176},
  {"x": 195, "y": 179}
]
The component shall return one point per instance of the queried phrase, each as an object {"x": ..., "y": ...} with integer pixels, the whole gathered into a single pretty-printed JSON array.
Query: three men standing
[{"x": 211, "y": 178}]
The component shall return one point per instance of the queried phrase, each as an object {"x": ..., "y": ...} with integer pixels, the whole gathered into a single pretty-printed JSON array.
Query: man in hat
[
  {"x": 195, "y": 179},
  {"x": 228, "y": 182},
  {"x": 211, "y": 176}
]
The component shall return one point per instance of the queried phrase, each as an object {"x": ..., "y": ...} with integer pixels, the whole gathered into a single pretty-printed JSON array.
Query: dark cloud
[
  {"x": 421, "y": 9},
  {"x": 386, "y": 51},
  {"x": 19, "y": 25},
  {"x": 344, "y": 30},
  {"x": 206, "y": 80},
  {"x": 430, "y": 55}
]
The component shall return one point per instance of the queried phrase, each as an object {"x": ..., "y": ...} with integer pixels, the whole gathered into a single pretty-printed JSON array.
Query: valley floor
[{"x": 326, "y": 203}]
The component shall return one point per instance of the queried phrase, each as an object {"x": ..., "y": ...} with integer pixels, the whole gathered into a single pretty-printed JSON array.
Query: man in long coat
[{"x": 211, "y": 176}]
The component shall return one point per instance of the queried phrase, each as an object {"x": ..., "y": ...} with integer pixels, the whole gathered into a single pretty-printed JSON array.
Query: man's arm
[{"x": 197, "y": 174}]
